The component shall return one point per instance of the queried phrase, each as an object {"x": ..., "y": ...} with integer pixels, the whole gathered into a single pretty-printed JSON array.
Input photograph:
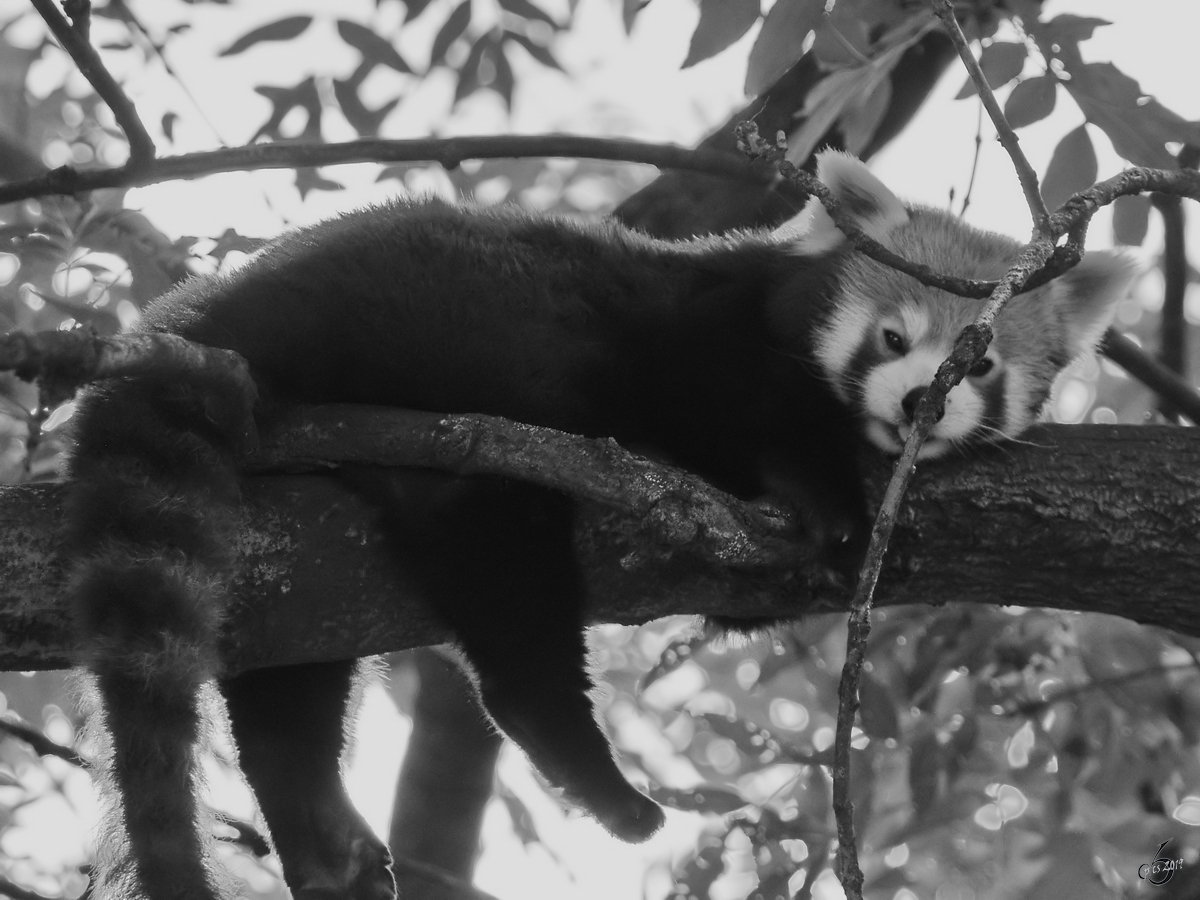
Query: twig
[
  {"x": 39, "y": 743},
  {"x": 1034, "y": 707},
  {"x": 73, "y": 38},
  {"x": 944, "y": 10},
  {"x": 974, "y": 161},
  {"x": 450, "y": 152},
  {"x": 1168, "y": 385},
  {"x": 1172, "y": 329}
]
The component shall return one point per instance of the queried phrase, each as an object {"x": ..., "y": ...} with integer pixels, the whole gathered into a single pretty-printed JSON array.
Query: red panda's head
[{"x": 886, "y": 333}]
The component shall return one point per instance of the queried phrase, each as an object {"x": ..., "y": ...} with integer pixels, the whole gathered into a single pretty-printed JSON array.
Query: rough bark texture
[{"x": 1099, "y": 518}]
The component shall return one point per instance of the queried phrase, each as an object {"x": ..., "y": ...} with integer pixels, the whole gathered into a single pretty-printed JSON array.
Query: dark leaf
[
  {"x": 502, "y": 84},
  {"x": 281, "y": 30},
  {"x": 701, "y": 870},
  {"x": 1031, "y": 100},
  {"x": 469, "y": 77},
  {"x": 721, "y": 23},
  {"x": 1138, "y": 126},
  {"x": 860, "y": 120},
  {"x": 371, "y": 46},
  {"x": 415, "y": 8},
  {"x": 536, "y": 50},
  {"x": 310, "y": 179},
  {"x": 527, "y": 10},
  {"x": 878, "y": 709},
  {"x": 629, "y": 11},
  {"x": 1001, "y": 62},
  {"x": 117, "y": 45},
  {"x": 781, "y": 41},
  {"x": 755, "y": 742},
  {"x": 1072, "y": 168},
  {"x": 284, "y": 100},
  {"x": 450, "y": 32},
  {"x": 701, "y": 799},
  {"x": 1131, "y": 218},
  {"x": 522, "y": 820},
  {"x": 168, "y": 125},
  {"x": 924, "y": 772},
  {"x": 231, "y": 241},
  {"x": 1069, "y": 29},
  {"x": 365, "y": 121}
]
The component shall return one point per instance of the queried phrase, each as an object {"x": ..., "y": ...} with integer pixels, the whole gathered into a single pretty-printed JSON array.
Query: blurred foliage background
[{"x": 1003, "y": 752}]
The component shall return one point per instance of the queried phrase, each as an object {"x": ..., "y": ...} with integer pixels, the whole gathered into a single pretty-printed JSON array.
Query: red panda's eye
[
  {"x": 894, "y": 342},
  {"x": 981, "y": 368}
]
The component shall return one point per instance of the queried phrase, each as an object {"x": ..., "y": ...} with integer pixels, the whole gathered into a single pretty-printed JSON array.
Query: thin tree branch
[
  {"x": 74, "y": 40},
  {"x": 944, "y": 10},
  {"x": 1138, "y": 363},
  {"x": 449, "y": 152},
  {"x": 39, "y": 743}
]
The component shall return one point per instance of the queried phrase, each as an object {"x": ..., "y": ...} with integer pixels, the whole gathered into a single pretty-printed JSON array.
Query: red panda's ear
[
  {"x": 1087, "y": 296},
  {"x": 865, "y": 199}
]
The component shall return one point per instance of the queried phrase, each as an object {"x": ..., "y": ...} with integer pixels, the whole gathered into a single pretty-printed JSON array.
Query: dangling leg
[
  {"x": 494, "y": 559},
  {"x": 288, "y": 724}
]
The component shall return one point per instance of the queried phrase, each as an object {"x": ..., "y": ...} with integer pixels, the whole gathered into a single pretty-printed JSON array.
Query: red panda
[{"x": 759, "y": 360}]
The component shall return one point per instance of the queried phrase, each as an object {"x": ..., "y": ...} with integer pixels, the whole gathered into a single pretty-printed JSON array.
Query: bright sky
[{"x": 616, "y": 87}]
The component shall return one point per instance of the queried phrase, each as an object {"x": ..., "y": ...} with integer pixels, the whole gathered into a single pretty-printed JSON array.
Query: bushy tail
[{"x": 150, "y": 525}]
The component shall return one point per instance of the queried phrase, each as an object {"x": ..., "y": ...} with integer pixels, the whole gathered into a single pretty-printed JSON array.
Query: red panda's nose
[{"x": 910, "y": 401}]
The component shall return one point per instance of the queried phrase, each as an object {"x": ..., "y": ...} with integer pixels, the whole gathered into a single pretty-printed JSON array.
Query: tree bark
[{"x": 1096, "y": 518}]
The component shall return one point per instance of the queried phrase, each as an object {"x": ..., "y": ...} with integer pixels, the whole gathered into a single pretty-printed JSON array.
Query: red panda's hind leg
[
  {"x": 494, "y": 559},
  {"x": 288, "y": 724}
]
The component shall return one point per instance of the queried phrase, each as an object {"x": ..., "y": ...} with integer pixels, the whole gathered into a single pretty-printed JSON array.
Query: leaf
[
  {"x": 486, "y": 66},
  {"x": 1001, "y": 62},
  {"x": 450, "y": 32},
  {"x": 699, "y": 872},
  {"x": 860, "y": 120},
  {"x": 924, "y": 772},
  {"x": 1068, "y": 29},
  {"x": 1138, "y": 126},
  {"x": 364, "y": 121},
  {"x": 502, "y": 84},
  {"x": 878, "y": 709},
  {"x": 780, "y": 43},
  {"x": 414, "y": 9},
  {"x": 310, "y": 179},
  {"x": 283, "y": 101},
  {"x": 168, "y": 124},
  {"x": 1031, "y": 100},
  {"x": 527, "y": 10},
  {"x": 537, "y": 51},
  {"x": 721, "y": 23},
  {"x": 371, "y": 46},
  {"x": 755, "y": 742},
  {"x": 701, "y": 799},
  {"x": 1131, "y": 218},
  {"x": 281, "y": 30},
  {"x": 1072, "y": 168},
  {"x": 834, "y": 95}
]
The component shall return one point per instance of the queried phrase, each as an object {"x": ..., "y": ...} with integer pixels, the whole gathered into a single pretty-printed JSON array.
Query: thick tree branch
[{"x": 1087, "y": 518}]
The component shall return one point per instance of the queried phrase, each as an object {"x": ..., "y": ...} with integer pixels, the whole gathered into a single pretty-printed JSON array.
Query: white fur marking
[
  {"x": 887, "y": 386},
  {"x": 916, "y": 323},
  {"x": 1016, "y": 400},
  {"x": 840, "y": 339}
]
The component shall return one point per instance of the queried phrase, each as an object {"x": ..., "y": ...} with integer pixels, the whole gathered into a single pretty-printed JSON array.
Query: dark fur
[{"x": 591, "y": 329}]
